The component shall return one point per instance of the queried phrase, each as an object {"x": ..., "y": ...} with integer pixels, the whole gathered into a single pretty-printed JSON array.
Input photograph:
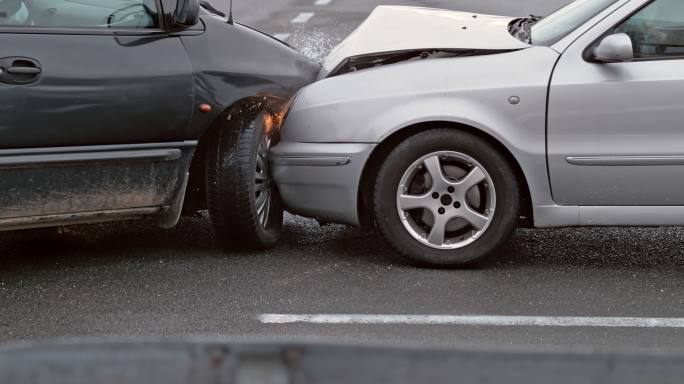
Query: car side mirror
[
  {"x": 616, "y": 48},
  {"x": 187, "y": 13}
]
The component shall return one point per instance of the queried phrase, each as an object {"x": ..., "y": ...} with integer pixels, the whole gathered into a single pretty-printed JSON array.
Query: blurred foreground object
[{"x": 211, "y": 362}]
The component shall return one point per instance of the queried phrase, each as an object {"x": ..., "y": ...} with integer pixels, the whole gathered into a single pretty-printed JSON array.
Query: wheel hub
[{"x": 446, "y": 200}]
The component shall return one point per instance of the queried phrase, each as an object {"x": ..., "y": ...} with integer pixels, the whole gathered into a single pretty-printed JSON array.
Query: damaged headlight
[{"x": 278, "y": 111}]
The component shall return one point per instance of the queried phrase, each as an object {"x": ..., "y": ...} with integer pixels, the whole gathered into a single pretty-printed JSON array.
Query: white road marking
[
  {"x": 303, "y": 18},
  {"x": 323, "y": 2},
  {"x": 502, "y": 321},
  {"x": 282, "y": 36}
]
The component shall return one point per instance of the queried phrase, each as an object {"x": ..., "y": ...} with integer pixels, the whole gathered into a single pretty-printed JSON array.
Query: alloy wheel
[{"x": 446, "y": 200}]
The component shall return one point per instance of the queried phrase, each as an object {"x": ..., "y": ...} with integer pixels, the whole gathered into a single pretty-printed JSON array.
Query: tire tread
[{"x": 229, "y": 174}]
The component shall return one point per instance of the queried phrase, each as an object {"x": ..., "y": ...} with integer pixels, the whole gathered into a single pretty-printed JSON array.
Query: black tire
[
  {"x": 231, "y": 183},
  {"x": 507, "y": 194}
]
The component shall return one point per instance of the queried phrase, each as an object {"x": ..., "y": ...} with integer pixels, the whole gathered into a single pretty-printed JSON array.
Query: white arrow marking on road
[
  {"x": 303, "y": 18},
  {"x": 527, "y": 321},
  {"x": 323, "y": 2}
]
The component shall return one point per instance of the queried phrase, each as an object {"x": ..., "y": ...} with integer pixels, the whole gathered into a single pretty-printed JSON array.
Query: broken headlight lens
[{"x": 285, "y": 110}]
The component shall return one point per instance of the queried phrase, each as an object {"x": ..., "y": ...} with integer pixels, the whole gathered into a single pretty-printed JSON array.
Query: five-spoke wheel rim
[
  {"x": 262, "y": 182},
  {"x": 446, "y": 200}
]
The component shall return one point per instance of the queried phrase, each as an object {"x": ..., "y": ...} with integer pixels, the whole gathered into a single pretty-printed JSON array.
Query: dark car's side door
[{"x": 96, "y": 100}]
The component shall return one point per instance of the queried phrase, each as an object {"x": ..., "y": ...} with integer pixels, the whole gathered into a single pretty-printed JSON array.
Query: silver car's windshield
[{"x": 560, "y": 23}]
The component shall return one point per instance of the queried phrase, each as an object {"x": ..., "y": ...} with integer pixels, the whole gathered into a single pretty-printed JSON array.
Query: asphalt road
[{"x": 133, "y": 280}]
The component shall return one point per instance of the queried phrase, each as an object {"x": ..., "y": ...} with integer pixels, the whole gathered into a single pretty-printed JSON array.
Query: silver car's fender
[{"x": 503, "y": 95}]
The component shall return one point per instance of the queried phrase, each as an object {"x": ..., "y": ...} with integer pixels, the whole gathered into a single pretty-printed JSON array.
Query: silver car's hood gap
[{"x": 357, "y": 63}]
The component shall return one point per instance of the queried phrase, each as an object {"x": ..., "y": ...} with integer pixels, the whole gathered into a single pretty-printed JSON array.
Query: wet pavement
[{"x": 131, "y": 280}]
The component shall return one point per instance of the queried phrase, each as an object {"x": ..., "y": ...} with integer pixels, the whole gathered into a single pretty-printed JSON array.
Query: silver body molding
[
  {"x": 608, "y": 216},
  {"x": 576, "y": 175}
]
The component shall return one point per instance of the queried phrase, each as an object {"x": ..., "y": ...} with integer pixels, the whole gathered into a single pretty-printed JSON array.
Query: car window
[
  {"x": 560, "y": 23},
  {"x": 657, "y": 30},
  {"x": 127, "y": 14}
]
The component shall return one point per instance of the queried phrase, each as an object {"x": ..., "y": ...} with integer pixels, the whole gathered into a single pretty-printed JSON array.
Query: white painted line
[
  {"x": 303, "y": 18},
  {"x": 500, "y": 321},
  {"x": 323, "y": 2},
  {"x": 282, "y": 36}
]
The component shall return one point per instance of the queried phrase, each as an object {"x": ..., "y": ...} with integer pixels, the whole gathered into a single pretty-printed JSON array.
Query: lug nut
[
  {"x": 451, "y": 189},
  {"x": 457, "y": 205},
  {"x": 435, "y": 195},
  {"x": 441, "y": 211}
]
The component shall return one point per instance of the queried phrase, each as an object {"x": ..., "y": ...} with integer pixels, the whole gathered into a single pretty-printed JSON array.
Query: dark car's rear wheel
[
  {"x": 446, "y": 198},
  {"x": 244, "y": 204}
]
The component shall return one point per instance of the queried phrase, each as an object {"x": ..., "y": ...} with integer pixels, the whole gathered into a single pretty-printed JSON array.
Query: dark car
[{"x": 119, "y": 109}]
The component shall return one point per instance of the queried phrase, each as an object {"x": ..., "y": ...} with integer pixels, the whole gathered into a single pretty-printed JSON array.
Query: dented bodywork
[
  {"x": 527, "y": 100},
  {"x": 397, "y": 33},
  {"x": 402, "y": 69}
]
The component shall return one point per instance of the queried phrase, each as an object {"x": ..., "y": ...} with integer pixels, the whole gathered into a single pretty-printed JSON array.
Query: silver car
[{"x": 446, "y": 130}]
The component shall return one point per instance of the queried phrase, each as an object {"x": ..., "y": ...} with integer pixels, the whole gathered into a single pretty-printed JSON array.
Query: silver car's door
[{"x": 616, "y": 131}]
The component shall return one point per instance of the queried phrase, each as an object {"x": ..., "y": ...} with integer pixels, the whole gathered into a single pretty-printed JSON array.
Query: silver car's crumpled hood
[{"x": 401, "y": 28}]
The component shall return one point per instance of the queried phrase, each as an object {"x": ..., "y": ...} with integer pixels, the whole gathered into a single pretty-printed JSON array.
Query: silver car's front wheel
[{"x": 446, "y": 198}]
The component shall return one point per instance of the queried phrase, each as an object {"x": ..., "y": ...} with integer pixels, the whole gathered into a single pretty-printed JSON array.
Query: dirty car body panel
[
  {"x": 600, "y": 156},
  {"x": 106, "y": 123}
]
